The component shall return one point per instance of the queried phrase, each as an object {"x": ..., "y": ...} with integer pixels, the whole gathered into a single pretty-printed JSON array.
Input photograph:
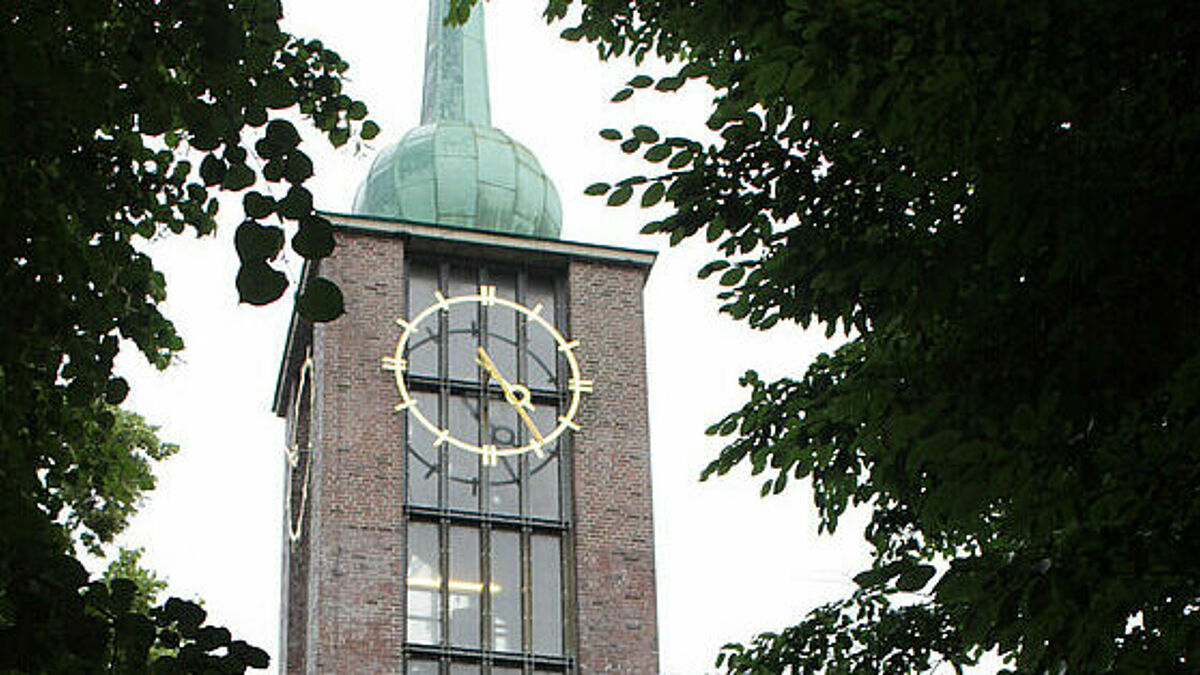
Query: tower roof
[{"x": 456, "y": 169}]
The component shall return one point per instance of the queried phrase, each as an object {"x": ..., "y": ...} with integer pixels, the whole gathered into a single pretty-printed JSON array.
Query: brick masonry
[
  {"x": 614, "y": 533},
  {"x": 347, "y": 571}
]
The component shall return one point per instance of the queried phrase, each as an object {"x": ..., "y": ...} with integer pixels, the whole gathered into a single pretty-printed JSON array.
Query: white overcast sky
[{"x": 729, "y": 564}]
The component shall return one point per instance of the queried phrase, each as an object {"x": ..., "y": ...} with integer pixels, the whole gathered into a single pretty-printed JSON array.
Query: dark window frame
[{"x": 483, "y": 519}]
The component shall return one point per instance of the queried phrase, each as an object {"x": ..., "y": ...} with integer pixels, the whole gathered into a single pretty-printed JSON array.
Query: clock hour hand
[{"x": 510, "y": 393}]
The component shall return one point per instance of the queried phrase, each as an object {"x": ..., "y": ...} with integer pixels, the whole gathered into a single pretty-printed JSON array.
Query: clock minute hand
[{"x": 509, "y": 394}]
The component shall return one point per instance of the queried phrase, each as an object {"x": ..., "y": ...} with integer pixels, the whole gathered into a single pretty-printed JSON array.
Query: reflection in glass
[
  {"x": 423, "y": 470},
  {"x": 463, "y": 465},
  {"x": 543, "y": 471},
  {"x": 502, "y": 328},
  {"x": 466, "y": 587},
  {"x": 423, "y": 344},
  {"x": 506, "y": 591},
  {"x": 463, "y": 327},
  {"x": 416, "y": 667},
  {"x": 541, "y": 349},
  {"x": 546, "y": 562},
  {"x": 424, "y": 579},
  {"x": 506, "y": 475}
]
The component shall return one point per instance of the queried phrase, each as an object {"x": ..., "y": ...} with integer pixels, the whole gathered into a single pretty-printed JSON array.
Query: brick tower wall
[
  {"x": 614, "y": 535},
  {"x": 354, "y": 535}
]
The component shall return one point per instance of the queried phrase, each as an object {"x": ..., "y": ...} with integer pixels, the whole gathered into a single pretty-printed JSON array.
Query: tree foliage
[
  {"x": 997, "y": 205},
  {"x": 121, "y": 121}
]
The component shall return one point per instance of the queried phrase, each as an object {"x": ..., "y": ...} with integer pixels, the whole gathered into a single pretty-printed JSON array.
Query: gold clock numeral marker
[
  {"x": 442, "y": 436},
  {"x": 582, "y": 386},
  {"x": 568, "y": 346},
  {"x": 404, "y": 325},
  {"x": 539, "y": 451},
  {"x": 488, "y": 295},
  {"x": 490, "y": 455},
  {"x": 537, "y": 309},
  {"x": 441, "y": 301},
  {"x": 405, "y": 405},
  {"x": 574, "y": 426},
  {"x": 393, "y": 364}
]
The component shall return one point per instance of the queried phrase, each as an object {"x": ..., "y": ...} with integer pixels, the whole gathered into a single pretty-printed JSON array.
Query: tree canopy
[
  {"x": 996, "y": 204},
  {"x": 121, "y": 122}
]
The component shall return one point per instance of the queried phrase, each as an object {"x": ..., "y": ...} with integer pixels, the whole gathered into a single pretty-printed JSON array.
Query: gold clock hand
[{"x": 510, "y": 394}]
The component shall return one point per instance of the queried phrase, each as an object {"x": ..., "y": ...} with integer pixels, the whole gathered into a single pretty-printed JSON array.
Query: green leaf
[
  {"x": 255, "y": 242},
  {"x": 653, "y": 194},
  {"x": 610, "y": 134},
  {"x": 915, "y": 578},
  {"x": 257, "y": 205},
  {"x": 238, "y": 177},
  {"x": 314, "y": 240},
  {"x": 212, "y": 170},
  {"x": 320, "y": 301},
  {"x": 275, "y": 92},
  {"x": 249, "y": 655},
  {"x": 185, "y": 614},
  {"x": 658, "y": 153},
  {"x": 715, "y": 227},
  {"x": 369, "y": 130},
  {"x": 273, "y": 169},
  {"x": 681, "y": 159},
  {"x": 641, "y": 82},
  {"x": 630, "y": 145},
  {"x": 597, "y": 189},
  {"x": 259, "y": 284},
  {"x": 298, "y": 167},
  {"x": 645, "y": 134},
  {"x": 732, "y": 276},
  {"x": 297, "y": 203},
  {"x": 875, "y": 576},
  {"x": 209, "y": 638},
  {"x": 620, "y": 195},
  {"x": 670, "y": 83},
  {"x": 115, "y": 390},
  {"x": 357, "y": 110},
  {"x": 280, "y": 139},
  {"x": 622, "y": 95},
  {"x": 712, "y": 267}
]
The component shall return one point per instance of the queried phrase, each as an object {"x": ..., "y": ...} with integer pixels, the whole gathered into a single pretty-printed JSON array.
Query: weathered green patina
[{"x": 456, "y": 169}]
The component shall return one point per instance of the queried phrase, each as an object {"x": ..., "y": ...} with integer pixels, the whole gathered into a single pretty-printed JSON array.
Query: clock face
[
  {"x": 299, "y": 451},
  {"x": 518, "y": 417}
]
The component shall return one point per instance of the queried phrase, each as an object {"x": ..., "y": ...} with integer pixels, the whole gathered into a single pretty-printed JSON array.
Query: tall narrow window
[{"x": 485, "y": 584}]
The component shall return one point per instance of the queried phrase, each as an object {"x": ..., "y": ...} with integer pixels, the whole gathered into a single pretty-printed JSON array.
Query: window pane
[
  {"x": 423, "y": 344},
  {"x": 423, "y": 470},
  {"x": 506, "y": 670},
  {"x": 464, "y": 669},
  {"x": 464, "y": 465},
  {"x": 505, "y": 476},
  {"x": 502, "y": 329},
  {"x": 547, "y": 594},
  {"x": 424, "y": 580},
  {"x": 464, "y": 326},
  {"x": 416, "y": 667},
  {"x": 506, "y": 591},
  {"x": 465, "y": 587},
  {"x": 544, "y": 495},
  {"x": 542, "y": 350}
]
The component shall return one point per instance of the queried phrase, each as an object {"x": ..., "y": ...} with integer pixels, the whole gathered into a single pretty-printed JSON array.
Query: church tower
[{"x": 469, "y": 464}]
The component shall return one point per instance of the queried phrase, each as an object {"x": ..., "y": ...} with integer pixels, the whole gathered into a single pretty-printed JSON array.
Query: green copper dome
[{"x": 456, "y": 169}]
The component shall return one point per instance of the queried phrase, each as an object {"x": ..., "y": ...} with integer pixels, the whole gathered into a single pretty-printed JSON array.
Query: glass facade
[{"x": 485, "y": 588}]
